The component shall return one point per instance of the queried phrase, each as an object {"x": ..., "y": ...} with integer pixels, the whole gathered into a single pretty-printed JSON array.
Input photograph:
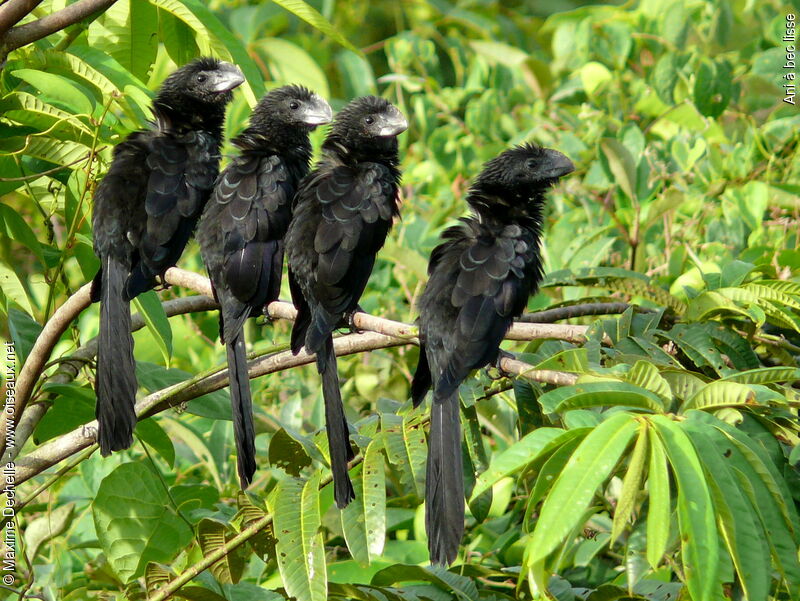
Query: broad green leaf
[
  {"x": 153, "y": 434},
  {"x": 19, "y": 230},
  {"x": 713, "y": 86},
  {"x": 212, "y": 535},
  {"x": 658, "y": 512},
  {"x": 45, "y": 528},
  {"x": 289, "y": 63},
  {"x": 621, "y": 164},
  {"x": 364, "y": 519},
  {"x": 135, "y": 522},
  {"x": 599, "y": 394},
  {"x": 699, "y": 540},
  {"x": 550, "y": 471},
  {"x": 177, "y": 38},
  {"x": 407, "y": 450},
  {"x": 515, "y": 457},
  {"x": 721, "y": 394},
  {"x": 152, "y": 312},
  {"x": 591, "y": 465},
  {"x": 645, "y": 375},
  {"x": 47, "y": 116},
  {"x": 743, "y": 534},
  {"x": 58, "y": 90},
  {"x": 214, "y": 38},
  {"x": 571, "y": 360},
  {"x": 24, "y": 331},
  {"x": 310, "y": 15},
  {"x": 287, "y": 453},
  {"x": 463, "y": 588},
  {"x": 12, "y": 287},
  {"x": 301, "y": 554},
  {"x": 631, "y": 485}
]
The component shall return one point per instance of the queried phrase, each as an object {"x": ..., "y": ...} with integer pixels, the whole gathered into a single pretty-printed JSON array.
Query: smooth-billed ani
[
  {"x": 480, "y": 278},
  {"x": 343, "y": 212},
  {"x": 242, "y": 228},
  {"x": 144, "y": 211}
]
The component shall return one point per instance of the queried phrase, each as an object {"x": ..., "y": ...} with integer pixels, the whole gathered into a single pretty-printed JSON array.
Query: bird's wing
[
  {"x": 254, "y": 200},
  {"x": 491, "y": 287},
  {"x": 358, "y": 205},
  {"x": 182, "y": 175}
]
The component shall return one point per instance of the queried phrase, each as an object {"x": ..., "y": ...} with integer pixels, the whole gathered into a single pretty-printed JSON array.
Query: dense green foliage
[{"x": 670, "y": 469}]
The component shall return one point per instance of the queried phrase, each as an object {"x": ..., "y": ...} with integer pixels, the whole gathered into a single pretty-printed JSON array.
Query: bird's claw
[
  {"x": 350, "y": 319},
  {"x": 496, "y": 365}
]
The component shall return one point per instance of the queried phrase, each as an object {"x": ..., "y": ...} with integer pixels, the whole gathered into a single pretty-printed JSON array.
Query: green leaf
[
  {"x": 517, "y": 456},
  {"x": 213, "y": 535},
  {"x": 743, "y": 535},
  {"x": 658, "y": 513},
  {"x": 665, "y": 77},
  {"x": 599, "y": 394},
  {"x": 713, "y": 87},
  {"x": 407, "y": 450},
  {"x": 631, "y": 484},
  {"x": 287, "y": 453},
  {"x": 153, "y": 434},
  {"x": 311, "y": 16},
  {"x": 621, "y": 164},
  {"x": 571, "y": 360},
  {"x": 301, "y": 555},
  {"x": 721, "y": 394},
  {"x": 135, "y": 522},
  {"x": 289, "y": 63},
  {"x": 153, "y": 377},
  {"x": 645, "y": 375},
  {"x": 59, "y": 91},
  {"x": 12, "y": 287},
  {"x": 47, "y": 527},
  {"x": 765, "y": 375},
  {"x": 463, "y": 588},
  {"x": 591, "y": 465},
  {"x": 214, "y": 38},
  {"x": 699, "y": 541},
  {"x": 155, "y": 318},
  {"x": 17, "y": 229},
  {"x": 364, "y": 520},
  {"x": 24, "y": 331}
]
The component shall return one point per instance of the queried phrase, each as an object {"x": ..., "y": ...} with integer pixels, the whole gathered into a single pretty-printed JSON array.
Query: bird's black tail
[
  {"x": 444, "y": 482},
  {"x": 116, "y": 369},
  {"x": 336, "y": 425},
  {"x": 242, "y": 409}
]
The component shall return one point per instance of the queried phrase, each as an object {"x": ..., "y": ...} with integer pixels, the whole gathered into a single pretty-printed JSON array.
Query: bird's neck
[
  {"x": 179, "y": 121},
  {"x": 381, "y": 150},
  {"x": 292, "y": 143}
]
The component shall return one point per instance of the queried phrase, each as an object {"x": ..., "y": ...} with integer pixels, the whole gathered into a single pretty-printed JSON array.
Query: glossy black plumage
[
  {"x": 151, "y": 180},
  {"x": 343, "y": 212},
  {"x": 242, "y": 228},
  {"x": 480, "y": 278}
]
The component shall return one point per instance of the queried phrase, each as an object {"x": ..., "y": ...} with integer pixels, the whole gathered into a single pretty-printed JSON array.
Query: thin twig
[{"x": 582, "y": 310}]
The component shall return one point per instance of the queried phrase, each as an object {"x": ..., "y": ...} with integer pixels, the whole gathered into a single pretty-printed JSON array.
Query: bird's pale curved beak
[
  {"x": 556, "y": 164},
  {"x": 317, "y": 112},
  {"x": 394, "y": 123},
  {"x": 226, "y": 77}
]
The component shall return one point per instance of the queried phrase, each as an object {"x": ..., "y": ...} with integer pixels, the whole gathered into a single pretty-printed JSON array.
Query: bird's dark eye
[
  {"x": 201, "y": 77},
  {"x": 530, "y": 163},
  {"x": 294, "y": 105},
  {"x": 369, "y": 120}
]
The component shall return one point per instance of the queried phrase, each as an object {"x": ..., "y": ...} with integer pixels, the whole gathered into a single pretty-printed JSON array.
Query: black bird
[
  {"x": 480, "y": 278},
  {"x": 242, "y": 228},
  {"x": 144, "y": 212},
  {"x": 343, "y": 212}
]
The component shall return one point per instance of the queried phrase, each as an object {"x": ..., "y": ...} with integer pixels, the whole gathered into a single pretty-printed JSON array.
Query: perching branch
[
  {"x": 16, "y": 37},
  {"x": 380, "y": 333}
]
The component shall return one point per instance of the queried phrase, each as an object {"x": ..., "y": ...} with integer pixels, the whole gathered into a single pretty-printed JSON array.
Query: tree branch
[
  {"x": 568, "y": 312},
  {"x": 382, "y": 333},
  {"x": 21, "y": 35},
  {"x": 68, "y": 370},
  {"x": 13, "y": 11}
]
